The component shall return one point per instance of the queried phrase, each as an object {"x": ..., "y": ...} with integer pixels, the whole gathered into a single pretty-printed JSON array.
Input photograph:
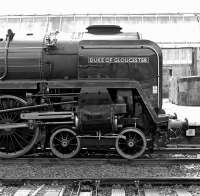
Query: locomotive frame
[{"x": 67, "y": 121}]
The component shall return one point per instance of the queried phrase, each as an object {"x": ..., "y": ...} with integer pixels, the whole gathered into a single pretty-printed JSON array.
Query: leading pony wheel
[
  {"x": 14, "y": 142},
  {"x": 131, "y": 143},
  {"x": 64, "y": 143}
]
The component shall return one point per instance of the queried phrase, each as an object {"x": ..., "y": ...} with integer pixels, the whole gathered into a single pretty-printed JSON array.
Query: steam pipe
[
  {"x": 9, "y": 38},
  {"x": 178, "y": 124}
]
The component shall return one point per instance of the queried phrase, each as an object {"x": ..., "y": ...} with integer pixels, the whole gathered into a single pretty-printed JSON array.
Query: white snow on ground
[{"x": 192, "y": 113}]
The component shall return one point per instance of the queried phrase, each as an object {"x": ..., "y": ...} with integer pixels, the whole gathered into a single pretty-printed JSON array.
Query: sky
[{"x": 20, "y": 7}]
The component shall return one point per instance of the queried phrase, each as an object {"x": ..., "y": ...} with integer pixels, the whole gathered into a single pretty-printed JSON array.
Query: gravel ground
[
  {"x": 91, "y": 171},
  {"x": 68, "y": 189},
  {"x": 129, "y": 190},
  {"x": 194, "y": 190},
  {"x": 9, "y": 191},
  {"x": 105, "y": 191}
]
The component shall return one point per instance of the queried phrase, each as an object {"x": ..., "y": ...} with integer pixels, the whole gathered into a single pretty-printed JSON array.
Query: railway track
[
  {"x": 100, "y": 161},
  {"x": 103, "y": 188}
]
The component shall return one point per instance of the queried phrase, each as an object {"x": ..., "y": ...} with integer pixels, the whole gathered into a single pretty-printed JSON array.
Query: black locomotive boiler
[{"x": 96, "y": 90}]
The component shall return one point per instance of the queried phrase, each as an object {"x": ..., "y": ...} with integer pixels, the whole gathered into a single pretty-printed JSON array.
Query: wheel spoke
[
  {"x": 15, "y": 116},
  {"x": 73, "y": 145},
  {"x": 3, "y": 117},
  {"x": 18, "y": 142},
  {"x": 138, "y": 140},
  {"x": 134, "y": 136},
  {"x": 57, "y": 139},
  {"x": 7, "y": 143},
  {"x": 28, "y": 134},
  {"x": 2, "y": 139},
  {"x": 57, "y": 144},
  {"x": 62, "y": 136},
  {"x": 22, "y": 138},
  {"x": 25, "y": 132},
  {"x": 12, "y": 143}
]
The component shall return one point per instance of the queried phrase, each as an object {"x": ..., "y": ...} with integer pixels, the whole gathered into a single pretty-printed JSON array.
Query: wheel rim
[
  {"x": 133, "y": 145},
  {"x": 14, "y": 142},
  {"x": 64, "y": 143}
]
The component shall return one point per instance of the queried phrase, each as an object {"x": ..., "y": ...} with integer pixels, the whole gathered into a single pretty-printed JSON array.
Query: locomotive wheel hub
[
  {"x": 64, "y": 142},
  {"x": 131, "y": 143},
  {"x": 8, "y": 131}
]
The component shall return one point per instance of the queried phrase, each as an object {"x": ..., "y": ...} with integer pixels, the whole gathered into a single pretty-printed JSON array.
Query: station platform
[{"x": 192, "y": 113}]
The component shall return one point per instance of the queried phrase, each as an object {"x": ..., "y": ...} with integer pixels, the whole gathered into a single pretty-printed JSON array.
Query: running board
[{"x": 46, "y": 115}]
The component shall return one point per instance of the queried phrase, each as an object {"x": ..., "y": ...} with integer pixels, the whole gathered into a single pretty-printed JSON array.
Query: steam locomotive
[{"x": 101, "y": 89}]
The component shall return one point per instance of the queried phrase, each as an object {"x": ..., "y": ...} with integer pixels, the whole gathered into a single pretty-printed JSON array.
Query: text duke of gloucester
[{"x": 118, "y": 59}]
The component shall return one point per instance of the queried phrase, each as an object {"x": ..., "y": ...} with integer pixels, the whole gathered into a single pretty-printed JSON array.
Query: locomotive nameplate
[{"x": 113, "y": 59}]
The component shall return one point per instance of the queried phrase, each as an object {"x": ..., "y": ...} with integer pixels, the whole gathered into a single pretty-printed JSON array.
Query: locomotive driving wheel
[
  {"x": 64, "y": 143},
  {"x": 14, "y": 142},
  {"x": 131, "y": 143}
]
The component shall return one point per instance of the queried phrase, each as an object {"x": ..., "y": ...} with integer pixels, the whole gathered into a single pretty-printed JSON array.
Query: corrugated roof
[{"x": 176, "y": 28}]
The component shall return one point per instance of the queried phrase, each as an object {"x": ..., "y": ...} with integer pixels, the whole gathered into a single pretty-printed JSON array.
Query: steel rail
[
  {"x": 153, "y": 180},
  {"x": 99, "y": 161},
  {"x": 107, "y": 181}
]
